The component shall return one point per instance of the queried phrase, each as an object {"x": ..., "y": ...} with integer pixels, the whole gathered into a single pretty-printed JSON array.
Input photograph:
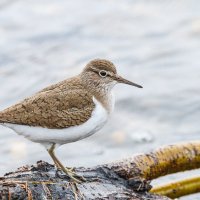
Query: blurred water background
[{"x": 154, "y": 43}]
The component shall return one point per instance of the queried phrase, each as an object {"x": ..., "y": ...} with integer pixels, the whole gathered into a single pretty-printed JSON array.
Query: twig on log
[{"x": 179, "y": 188}]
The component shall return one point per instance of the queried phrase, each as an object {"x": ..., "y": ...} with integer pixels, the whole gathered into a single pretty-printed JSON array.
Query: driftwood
[
  {"x": 43, "y": 181},
  {"x": 127, "y": 179}
]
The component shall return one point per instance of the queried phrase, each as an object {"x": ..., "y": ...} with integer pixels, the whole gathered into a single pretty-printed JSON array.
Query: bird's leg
[
  {"x": 51, "y": 151},
  {"x": 76, "y": 178}
]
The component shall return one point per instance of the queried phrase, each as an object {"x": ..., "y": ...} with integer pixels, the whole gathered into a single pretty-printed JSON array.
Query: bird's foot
[
  {"x": 70, "y": 169},
  {"x": 76, "y": 178},
  {"x": 67, "y": 168},
  {"x": 72, "y": 175}
]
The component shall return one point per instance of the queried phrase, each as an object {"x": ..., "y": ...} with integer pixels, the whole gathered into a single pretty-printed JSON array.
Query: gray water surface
[{"x": 154, "y": 43}]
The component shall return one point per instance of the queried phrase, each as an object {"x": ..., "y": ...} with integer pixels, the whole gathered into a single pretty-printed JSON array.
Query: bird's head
[{"x": 101, "y": 73}]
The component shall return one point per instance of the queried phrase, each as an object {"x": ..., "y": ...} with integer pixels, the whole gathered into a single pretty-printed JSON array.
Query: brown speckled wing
[{"x": 59, "y": 106}]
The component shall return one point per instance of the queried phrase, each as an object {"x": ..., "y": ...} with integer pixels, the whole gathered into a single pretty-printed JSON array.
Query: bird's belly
[{"x": 65, "y": 135}]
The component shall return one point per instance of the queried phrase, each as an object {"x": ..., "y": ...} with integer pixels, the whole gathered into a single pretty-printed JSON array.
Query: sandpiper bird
[{"x": 68, "y": 111}]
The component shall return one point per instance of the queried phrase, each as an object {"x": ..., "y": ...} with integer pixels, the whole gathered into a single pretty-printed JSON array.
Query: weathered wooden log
[
  {"x": 167, "y": 160},
  {"x": 127, "y": 179},
  {"x": 43, "y": 181}
]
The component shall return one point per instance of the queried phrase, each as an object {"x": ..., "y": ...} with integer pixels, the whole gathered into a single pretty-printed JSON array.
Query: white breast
[{"x": 66, "y": 135}]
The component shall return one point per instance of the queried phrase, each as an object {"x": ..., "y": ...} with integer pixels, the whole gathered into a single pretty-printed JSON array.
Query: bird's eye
[{"x": 103, "y": 73}]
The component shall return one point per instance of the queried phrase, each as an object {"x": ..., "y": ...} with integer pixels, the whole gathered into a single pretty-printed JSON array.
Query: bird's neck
[
  {"x": 106, "y": 98},
  {"x": 101, "y": 92}
]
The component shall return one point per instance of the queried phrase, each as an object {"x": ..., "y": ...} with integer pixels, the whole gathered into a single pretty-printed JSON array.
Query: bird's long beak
[{"x": 120, "y": 79}]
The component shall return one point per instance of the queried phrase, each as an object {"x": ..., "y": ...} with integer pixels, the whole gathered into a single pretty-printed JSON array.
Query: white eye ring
[{"x": 103, "y": 73}]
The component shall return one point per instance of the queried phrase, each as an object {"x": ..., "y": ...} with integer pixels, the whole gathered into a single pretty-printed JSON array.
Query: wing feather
[{"x": 54, "y": 107}]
